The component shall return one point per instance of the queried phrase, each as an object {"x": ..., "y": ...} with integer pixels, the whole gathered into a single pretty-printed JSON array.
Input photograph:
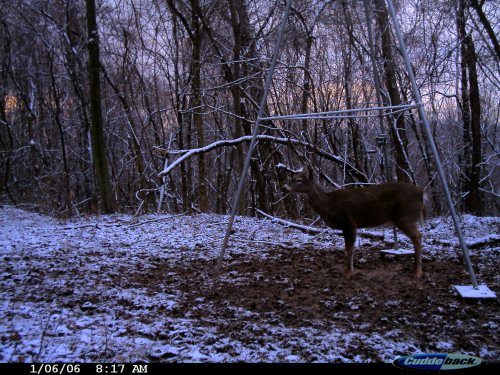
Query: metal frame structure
[
  {"x": 345, "y": 113},
  {"x": 379, "y": 112}
]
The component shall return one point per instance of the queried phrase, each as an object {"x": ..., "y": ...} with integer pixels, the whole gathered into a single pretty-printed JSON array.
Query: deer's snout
[{"x": 287, "y": 188}]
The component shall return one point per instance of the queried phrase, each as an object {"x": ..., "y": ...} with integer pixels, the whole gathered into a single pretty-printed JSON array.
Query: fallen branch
[
  {"x": 312, "y": 230},
  {"x": 492, "y": 240},
  {"x": 155, "y": 220},
  {"x": 286, "y": 223},
  {"x": 96, "y": 226},
  {"x": 130, "y": 223},
  {"x": 369, "y": 234},
  {"x": 261, "y": 138},
  {"x": 257, "y": 242}
]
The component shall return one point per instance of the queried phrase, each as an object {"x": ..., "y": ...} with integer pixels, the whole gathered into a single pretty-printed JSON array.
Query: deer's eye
[{"x": 298, "y": 180}]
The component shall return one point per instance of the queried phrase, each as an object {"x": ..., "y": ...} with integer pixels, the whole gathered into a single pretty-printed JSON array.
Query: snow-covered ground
[{"x": 119, "y": 288}]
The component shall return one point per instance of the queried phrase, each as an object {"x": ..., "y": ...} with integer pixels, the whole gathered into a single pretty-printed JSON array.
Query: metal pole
[
  {"x": 260, "y": 114},
  {"x": 430, "y": 139}
]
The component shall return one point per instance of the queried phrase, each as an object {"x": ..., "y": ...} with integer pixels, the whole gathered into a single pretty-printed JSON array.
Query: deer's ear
[{"x": 309, "y": 173}]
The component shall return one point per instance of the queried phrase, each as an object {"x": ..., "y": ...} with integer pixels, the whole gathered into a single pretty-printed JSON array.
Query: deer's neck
[{"x": 317, "y": 198}]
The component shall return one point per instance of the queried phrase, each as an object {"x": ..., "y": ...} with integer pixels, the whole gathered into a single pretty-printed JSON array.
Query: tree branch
[{"x": 261, "y": 138}]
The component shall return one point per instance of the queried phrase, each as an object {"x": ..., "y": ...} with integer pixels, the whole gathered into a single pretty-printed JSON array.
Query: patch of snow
[{"x": 444, "y": 346}]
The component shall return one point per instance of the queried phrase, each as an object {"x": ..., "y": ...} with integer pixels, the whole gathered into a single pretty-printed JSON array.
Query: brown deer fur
[{"x": 351, "y": 208}]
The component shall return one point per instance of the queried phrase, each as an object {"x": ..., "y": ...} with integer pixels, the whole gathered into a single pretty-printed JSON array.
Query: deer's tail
[{"x": 423, "y": 214}]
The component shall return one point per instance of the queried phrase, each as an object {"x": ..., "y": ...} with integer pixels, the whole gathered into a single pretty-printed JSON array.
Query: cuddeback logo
[{"x": 437, "y": 361}]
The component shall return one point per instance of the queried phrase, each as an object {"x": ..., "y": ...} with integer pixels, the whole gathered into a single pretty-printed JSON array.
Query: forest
[{"x": 99, "y": 99}]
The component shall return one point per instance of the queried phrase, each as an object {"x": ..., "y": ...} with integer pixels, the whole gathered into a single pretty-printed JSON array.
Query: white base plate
[
  {"x": 397, "y": 251},
  {"x": 468, "y": 291}
]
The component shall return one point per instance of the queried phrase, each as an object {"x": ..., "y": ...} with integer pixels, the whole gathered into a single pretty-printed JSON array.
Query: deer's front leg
[
  {"x": 350, "y": 239},
  {"x": 417, "y": 244}
]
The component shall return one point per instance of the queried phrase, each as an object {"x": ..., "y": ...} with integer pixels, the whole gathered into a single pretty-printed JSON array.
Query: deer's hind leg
[
  {"x": 410, "y": 229},
  {"x": 349, "y": 238}
]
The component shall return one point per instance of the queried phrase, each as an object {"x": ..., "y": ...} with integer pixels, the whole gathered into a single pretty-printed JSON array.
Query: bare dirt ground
[{"x": 306, "y": 288}]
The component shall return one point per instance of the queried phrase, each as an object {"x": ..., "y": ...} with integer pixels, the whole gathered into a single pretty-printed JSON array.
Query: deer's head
[{"x": 301, "y": 182}]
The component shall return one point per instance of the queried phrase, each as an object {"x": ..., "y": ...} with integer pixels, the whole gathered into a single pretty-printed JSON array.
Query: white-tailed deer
[{"x": 348, "y": 209}]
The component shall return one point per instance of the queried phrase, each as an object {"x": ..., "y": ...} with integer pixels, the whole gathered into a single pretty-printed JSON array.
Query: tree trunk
[
  {"x": 473, "y": 199},
  {"x": 244, "y": 41},
  {"x": 234, "y": 76},
  {"x": 180, "y": 105},
  {"x": 348, "y": 61},
  {"x": 487, "y": 26},
  {"x": 197, "y": 38},
  {"x": 96, "y": 129},
  {"x": 66, "y": 193},
  {"x": 197, "y": 119},
  {"x": 306, "y": 88},
  {"x": 398, "y": 132},
  {"x": 471, "y": 115}
]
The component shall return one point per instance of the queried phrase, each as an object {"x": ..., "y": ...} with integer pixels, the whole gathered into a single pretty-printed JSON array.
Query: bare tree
[
  {"x": 96, "y": 130},
  {"x": 471, "y": 114}
]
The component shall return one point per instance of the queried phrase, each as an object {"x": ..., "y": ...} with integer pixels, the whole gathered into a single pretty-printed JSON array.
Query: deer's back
[{"x": 373, "y": 205}]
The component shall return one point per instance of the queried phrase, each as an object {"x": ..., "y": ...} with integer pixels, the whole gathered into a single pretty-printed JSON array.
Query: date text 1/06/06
[
  {"x": 101, "y": 368},
  {"x": 54, "y": 368}
]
